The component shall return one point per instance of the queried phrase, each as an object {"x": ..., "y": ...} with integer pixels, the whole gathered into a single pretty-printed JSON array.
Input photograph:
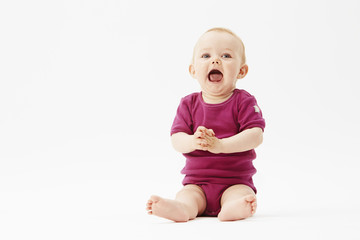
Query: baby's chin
[
  {"x": 220, "y": 86},
  {"x": 217, "y": 92}
]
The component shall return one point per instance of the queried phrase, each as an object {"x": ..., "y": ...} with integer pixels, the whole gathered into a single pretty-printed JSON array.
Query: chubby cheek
[
  {"x": 232, "y": 73},
  {"x": 201, "y": 73}
]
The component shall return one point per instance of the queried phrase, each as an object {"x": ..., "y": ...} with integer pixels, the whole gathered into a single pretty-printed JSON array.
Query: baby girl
[{"x": 217, "y": 130}]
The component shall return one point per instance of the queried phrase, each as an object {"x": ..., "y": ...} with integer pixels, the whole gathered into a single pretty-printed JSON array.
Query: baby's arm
[
  {"x": 205, "y": 139},
  {"x": 241, "y": 142},
  {"x": 185, "y": 143}
]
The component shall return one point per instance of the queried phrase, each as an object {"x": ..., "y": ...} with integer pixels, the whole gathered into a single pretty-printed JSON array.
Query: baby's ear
[
  {"x": 192, "y": 70},
  {"x": 243, "y": 71}
]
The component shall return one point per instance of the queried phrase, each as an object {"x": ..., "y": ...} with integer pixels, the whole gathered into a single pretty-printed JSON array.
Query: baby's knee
[{"x": 191, "y": 189}]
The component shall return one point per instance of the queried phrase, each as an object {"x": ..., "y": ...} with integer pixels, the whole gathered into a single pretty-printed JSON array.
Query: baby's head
[
  {"x": 224, "y": 30},
  {"x": 218, "y": 62}
]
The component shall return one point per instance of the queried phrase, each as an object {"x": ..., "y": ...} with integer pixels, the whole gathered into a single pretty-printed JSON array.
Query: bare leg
[
  {"x": 189, "y": 203},
  {"x": 237, "y": 202}
]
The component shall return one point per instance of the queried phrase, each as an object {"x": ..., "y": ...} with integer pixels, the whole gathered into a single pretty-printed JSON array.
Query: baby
[{"x": 217, "y": 130}]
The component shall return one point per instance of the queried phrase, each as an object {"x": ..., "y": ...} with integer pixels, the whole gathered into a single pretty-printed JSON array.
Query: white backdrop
[{"x": 89, "y": 89}]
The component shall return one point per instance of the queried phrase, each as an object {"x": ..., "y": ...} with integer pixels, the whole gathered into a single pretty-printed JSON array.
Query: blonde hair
[{"x": 219, "y": 29}]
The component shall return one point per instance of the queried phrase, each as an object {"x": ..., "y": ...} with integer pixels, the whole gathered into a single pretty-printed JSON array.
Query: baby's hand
[
  {"x": 199, "y": 136},
  {"x": 205, "y": 140},
  {"x": 201, "y": 132},
  {"x": 213, "y": 144}
]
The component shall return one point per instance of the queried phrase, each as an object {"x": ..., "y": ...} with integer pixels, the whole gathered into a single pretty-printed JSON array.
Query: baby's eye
[
  {"x": 205, "y": 55},
  {"x": 225, "y": 55}
]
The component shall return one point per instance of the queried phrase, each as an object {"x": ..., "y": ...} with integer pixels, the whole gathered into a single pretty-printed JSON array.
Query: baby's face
[{"x": 217, "y": 63}]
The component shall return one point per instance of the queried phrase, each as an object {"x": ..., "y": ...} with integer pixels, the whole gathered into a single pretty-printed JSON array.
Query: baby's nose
[{"x": 217, "y": 61}]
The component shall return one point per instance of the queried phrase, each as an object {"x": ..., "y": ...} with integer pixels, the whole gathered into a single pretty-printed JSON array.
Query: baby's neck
[{"x": 210, "y": 99}]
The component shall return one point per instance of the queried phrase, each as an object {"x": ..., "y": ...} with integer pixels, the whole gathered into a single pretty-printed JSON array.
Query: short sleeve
[
  {"x": 250, "y": 114},
  {"x": 183, "y": 120}
]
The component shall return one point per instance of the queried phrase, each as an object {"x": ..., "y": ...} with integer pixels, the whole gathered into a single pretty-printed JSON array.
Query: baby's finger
[
  {"x": 201, "y": 143},
  {"x": 201, "y": 129},
  {"x": 197, "y": 134},
  {"x": 204, "y": 143},
  {"x": 211, "y": 132},
  {"x": 208, "y": 138},
  {"x": 203, "y": 147}
]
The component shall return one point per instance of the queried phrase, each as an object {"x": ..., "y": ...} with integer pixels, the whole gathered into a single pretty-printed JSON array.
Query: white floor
[
  {"x": 96, "y": 200},
  {"x": 311, "y": 224}
]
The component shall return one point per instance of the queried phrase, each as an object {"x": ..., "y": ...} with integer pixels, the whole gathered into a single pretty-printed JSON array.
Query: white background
[{"x": 89, "y": 90}]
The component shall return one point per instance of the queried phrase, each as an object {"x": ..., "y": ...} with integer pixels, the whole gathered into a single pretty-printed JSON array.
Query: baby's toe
[
  {"x": 155, "y": 199},
  {"x": 253, "y": 207},
  {"x": 250, "y": 198}
]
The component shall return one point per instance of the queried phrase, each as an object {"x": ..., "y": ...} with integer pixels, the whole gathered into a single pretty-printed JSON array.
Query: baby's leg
[
  {"x": 237, "y": 202},
  {"x": 189, "y": 203}
]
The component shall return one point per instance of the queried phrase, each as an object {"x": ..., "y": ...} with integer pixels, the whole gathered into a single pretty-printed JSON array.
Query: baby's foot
[
  {"x": 166, "y": 208},
  {"x": 238, "y": 209}
]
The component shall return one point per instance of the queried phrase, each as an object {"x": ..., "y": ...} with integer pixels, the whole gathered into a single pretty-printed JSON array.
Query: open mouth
[{"x": 215, "y": 75}]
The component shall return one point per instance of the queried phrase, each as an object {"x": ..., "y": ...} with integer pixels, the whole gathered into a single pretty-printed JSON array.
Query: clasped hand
[{"x": 206, "y": 140}]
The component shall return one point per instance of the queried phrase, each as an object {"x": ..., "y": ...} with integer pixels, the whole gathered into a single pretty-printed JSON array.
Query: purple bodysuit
[{"x": 214, "y": 173}]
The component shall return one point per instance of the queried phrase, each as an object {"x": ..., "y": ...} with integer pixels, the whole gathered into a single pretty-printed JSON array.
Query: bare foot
[
  {"x": 166, "y": 208},
  {"x": 238, "y": 209}
]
